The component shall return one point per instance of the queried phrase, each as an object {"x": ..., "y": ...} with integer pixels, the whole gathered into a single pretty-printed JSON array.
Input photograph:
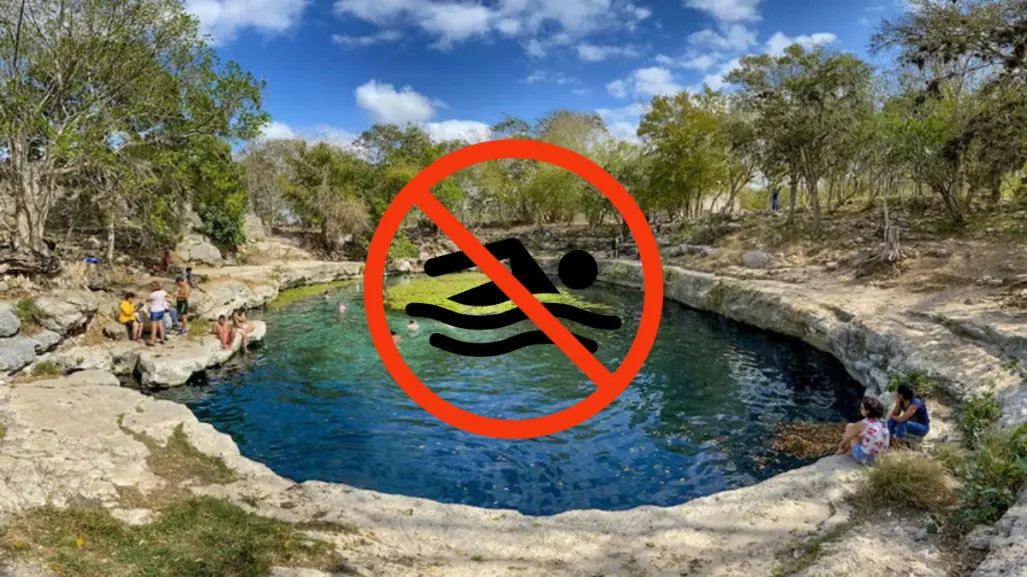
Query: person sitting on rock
[
  {"x": 223, "y": 331},
  {"x": 868, "y": 438},
  {"x": 242, "y": 327},
  {"x": 909, "y": 416},
  {"x": 127, "y": 317}
]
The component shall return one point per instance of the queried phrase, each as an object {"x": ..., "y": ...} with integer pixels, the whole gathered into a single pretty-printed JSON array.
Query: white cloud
[
  {"x": 716, "y": 80},
  {"x": 734, "y": 37},
  {"x": 580, "y": 91},
  {"x": 595, "y": 53},
  {"x": 467, "y": 130},
  {"x": 623, "y": 122},
  {"x": 539, "y": 24},
  {"x": 645, "y": 83},
  {"x": 277, "y": 130},
  {"x": 380, "y": 38},
  {"x": 618, "y": 89},
  {"x": 385, "y": 104},
  {"x": 322, "y": 133},
  {"x": 654, "y": 81},
  {"x": 728, "y": 10},
  {"x": 557, "y": 78},
  {"x": 224, "y": 19},
  {"x": 780, "y": 41}
]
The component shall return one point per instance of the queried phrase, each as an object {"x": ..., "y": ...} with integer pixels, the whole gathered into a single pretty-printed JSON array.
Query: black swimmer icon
[{"x": 577, "y": 270}]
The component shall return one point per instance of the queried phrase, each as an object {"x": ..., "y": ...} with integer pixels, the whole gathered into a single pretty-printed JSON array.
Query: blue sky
[{"x": 334, "y": 67}]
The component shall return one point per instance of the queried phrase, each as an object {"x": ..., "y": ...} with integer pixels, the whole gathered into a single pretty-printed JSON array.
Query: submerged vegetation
[
  {"x": 436, "y": 291},
  {"x": 292, "y": 295}
]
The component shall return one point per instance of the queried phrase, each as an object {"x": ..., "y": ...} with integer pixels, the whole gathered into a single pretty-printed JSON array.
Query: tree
[
  {"x": 809, "y": 104},
  {"x": 683, "y": 136},
  {"x": 77, "y": 78}
]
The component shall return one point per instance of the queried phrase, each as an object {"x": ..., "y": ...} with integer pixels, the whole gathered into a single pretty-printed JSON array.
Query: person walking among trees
[
  {"x": 775, "y": 199},
  {"x": 909, "y": 415}
]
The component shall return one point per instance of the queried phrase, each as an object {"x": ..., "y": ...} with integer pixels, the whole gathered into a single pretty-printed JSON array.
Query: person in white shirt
[
  {"x": 868, "y": 438},
  {"x": 158, "y": 303}
]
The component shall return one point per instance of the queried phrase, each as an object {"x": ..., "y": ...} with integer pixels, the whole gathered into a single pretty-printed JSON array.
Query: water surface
[{"x": 315, "y": 402}]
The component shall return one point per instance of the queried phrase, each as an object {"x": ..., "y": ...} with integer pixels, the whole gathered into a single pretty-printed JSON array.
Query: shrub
[
  {"x": 403, "y": 248},
  {"x": 28, "y": 311},
  {"x": 47, "y": 369},
  {"x": 991, "y": 477},
  {"x": 951, "y": 455},
  {"x": 910, "y": 479},
  {"x": 923, "y": 386},
  {"x": 979, "y": 414}
]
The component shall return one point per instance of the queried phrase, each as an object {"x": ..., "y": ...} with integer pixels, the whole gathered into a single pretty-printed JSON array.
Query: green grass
[
  {"x": 437, "y": 291},
  {"x": 290, "y": 296},
  {"x": 990, "y": 477},
  {"x": 179, "y": 461},
  {"x": 47, "y": 369},
  {"x": 28, "y": 311},
  {"x": 203, "y": 537}
]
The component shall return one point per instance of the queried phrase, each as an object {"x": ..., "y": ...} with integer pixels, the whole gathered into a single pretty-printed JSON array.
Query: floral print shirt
[{"x": 874, "y": 437}]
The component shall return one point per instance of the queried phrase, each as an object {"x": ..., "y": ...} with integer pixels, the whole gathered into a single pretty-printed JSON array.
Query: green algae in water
[
  {"x": 290, "y": 296},
  {"x": 436, "y": 291}
]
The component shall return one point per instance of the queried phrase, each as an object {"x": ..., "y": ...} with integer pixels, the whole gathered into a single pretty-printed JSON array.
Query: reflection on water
[{"x": 315, "y": 402}]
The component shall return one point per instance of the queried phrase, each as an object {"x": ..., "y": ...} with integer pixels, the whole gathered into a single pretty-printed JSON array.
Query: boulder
[
  {"x": 67, "y": 311},
  {"x": 253, "y": 228},
  {"x": 16, "y": 353},
  {"x": 403, "y": 267},
  {"x": 195, "y": 248},
  {"x": 756, "y": 259},
  {"x": 118, "y": 358},
  {"x": 174, "y": 364},
  {"x": 9, "y": 322},
  {"x": 45, "y": 341}
]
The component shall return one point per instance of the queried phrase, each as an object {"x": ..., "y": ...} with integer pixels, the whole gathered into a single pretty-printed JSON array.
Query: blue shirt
[{"x": 920, "y": 416}]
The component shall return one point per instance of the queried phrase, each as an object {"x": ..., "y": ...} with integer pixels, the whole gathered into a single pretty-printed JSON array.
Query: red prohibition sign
[{"x": 608, "y": 385}]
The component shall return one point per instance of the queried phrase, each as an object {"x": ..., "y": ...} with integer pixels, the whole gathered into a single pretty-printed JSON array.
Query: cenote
[{"x": 314, "y": 402}]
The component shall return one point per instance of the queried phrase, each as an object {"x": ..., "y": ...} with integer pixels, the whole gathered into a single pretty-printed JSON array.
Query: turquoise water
[{"x": 315, "y": 402}]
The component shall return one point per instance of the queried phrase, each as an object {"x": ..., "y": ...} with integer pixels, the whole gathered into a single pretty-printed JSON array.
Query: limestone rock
[
  {"x": 756, "y": 259},
  {"x": 403, "y": 267},
  {"x": 174, "y": 364},
  {"x": 9, "y": 322},
  {"x": 684, "y": 249},
  {"x": 16, "y": 353},
  {"x": 253, "y": 228},
  {"x": 133, "y": 516},
  {"x": 46, "y": 341},
  {"x": 195, "y": 248},
  {"x": 980, "y": 537},
  {"x": 117, "y": 358},
  {"x": 67, "y": 311}
]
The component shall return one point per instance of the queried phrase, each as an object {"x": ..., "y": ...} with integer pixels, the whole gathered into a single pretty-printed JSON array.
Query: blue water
[{"x": 315, "y": 402}]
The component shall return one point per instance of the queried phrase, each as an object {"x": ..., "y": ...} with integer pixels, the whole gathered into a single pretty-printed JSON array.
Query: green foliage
[
  {"x": 979, "y": 414},
  {"x": 922, "y": 385},
  {"x": 139, "y": 86},
  {"x": 990, "y": 478},
  {"x": 219, "y": 194},
  {"x": 29, "y": 312},
  {"x": 402, "y": 247}
]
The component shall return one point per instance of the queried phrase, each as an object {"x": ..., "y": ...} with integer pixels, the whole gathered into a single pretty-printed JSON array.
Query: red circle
[{"x": 605, "y": 393}]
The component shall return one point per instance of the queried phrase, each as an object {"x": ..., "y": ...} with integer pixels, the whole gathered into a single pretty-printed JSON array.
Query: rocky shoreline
[{"x": 50, "y": 458}]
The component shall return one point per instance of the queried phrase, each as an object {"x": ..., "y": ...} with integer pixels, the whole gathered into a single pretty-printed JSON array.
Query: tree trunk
[
  {"x": 814, "y": 198},
  {"x": 110, "y": 239},
  {"x": 793, "y": 186}
]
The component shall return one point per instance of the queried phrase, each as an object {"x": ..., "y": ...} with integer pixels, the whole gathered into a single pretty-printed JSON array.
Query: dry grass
[
  {"x": 808, "y": 440},
  {"x": 909, "y": 479}
]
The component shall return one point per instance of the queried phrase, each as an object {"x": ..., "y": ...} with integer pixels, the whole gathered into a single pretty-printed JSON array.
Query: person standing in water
[
  {"x": 342, "y": 307},
  {"x": 326, "y": 296},
  {"x": 395, "y": 337},
  {"x": 412, "y": 326}
]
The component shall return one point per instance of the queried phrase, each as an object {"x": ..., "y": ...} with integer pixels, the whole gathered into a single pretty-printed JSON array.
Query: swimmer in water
[
  {"x": 413, "y": 326},
  {"x": 325, "y": 296},
  {"x": 395, "y": 337},
  {"x": 342, "y": 308}
]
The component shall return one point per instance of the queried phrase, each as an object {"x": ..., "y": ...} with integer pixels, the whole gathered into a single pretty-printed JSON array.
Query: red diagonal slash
[{"x": 521, "y": 296}]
